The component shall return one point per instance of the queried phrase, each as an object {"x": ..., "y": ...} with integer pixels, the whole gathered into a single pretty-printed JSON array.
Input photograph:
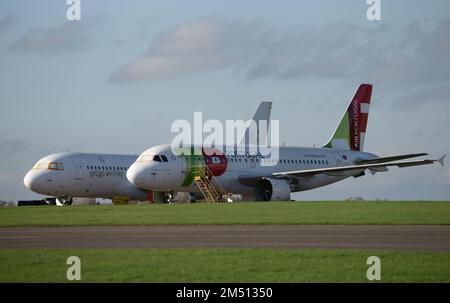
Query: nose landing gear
[
  {"x": 64, "y": 201},
  {"x": 169, "y": 196}
]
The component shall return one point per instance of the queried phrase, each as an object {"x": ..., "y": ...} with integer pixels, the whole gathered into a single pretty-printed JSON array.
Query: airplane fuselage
[
  {"x": 84, "y": 175},
  {"x": 177, "y": 173}
]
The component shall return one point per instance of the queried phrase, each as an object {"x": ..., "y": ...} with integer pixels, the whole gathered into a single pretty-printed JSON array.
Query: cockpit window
[
  {"x": 41, "y": 165},
  {"x": 145, "y": 158},
  {"x": 157, "y": 158},
  {"x": 49, "y": 165},
  {"x": 55, "y": 166}
]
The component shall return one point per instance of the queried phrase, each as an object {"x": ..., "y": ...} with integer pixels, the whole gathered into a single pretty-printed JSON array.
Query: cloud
[
  {"x": 206, "y": 43},
  {"x": 254, "y": 50},
  {"x": 68, "y": 37},
  {"x": 9, "y": 147},
  {"x": 412, "y": 57},
  {"x": 6, "y": 22}
]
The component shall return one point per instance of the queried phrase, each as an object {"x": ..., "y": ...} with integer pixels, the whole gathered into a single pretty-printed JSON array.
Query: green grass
[
  {"x": 221, "y": 265},
  {"x": 426, "y": 213}
]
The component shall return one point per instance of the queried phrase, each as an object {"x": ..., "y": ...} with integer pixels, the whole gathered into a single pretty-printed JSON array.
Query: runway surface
[{"x": 429, "y": 238}]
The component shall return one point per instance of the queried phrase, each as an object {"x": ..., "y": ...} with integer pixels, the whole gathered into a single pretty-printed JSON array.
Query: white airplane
[
  {"x": 159, "y": 170},
  {"x": 89, "y": 175}
]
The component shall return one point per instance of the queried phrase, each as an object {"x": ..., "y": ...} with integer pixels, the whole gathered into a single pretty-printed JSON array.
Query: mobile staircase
[{"x": 212, "y": 192}]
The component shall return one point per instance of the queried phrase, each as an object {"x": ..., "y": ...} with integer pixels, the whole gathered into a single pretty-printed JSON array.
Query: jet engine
[{"x": 268, "y": 189}]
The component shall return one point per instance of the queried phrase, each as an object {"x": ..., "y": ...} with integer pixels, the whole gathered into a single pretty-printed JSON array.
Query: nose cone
[
  {"x": 31, "y": 181},
  {"x": 136, "y": 174},
  {"x": 28, "y": 180}
]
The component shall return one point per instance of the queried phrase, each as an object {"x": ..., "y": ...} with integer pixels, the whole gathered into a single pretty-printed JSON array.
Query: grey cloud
[
  {"x": 254, "y": 50},
  {"x": 6, "y": 22},
  {"x": 68, "y": 37},
  {"x": 206, "y": 43},
  {"x": 413, "y": 58},
  {"x": 8, "y": 147}
]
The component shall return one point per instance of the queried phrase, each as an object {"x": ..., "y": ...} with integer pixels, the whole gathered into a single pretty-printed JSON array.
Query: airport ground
[
  {"x": 262, "y": 242},
  {"x": 332, "y": 212}
]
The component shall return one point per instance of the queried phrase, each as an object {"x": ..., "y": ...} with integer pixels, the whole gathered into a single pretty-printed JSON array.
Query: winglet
[{"x": 441, "y": 160}]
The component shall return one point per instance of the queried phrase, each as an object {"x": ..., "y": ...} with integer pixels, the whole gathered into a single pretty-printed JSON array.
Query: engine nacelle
[{"x": 268, "y": 189}]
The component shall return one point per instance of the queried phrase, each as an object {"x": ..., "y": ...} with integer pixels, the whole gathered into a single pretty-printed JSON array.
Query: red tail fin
[{"x": 351, "y": 131}]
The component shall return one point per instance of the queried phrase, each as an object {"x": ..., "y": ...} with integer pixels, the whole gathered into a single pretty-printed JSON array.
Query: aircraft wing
[
  {"x": 389, "y": 159},
  {"x": 337, "y": 171}
]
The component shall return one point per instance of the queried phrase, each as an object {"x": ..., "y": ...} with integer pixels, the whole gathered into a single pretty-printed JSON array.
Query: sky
[{"x": 114, "y": 81}]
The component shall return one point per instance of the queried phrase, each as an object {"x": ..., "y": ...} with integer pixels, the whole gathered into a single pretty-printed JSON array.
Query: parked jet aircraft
[
  {"x": 90, "y": 175},
  {"x": 159, "y": 170}
]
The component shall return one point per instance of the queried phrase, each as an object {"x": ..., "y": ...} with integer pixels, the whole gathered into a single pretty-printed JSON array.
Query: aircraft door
[
  {"x": 79, "y": 169},
  {"x": 338, "y": 158}
]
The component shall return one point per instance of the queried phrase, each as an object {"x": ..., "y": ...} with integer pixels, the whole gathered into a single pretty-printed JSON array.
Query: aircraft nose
[
  {"x": 136, "y": 174},
  {"x": 31, "y": 181}
]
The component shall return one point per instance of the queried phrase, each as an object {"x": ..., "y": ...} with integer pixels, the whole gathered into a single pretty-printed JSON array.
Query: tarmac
[{"x": 379, "y": 237}]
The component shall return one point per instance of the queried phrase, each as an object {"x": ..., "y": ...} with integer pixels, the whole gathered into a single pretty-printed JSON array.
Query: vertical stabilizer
[
  {"x": 351, "y": 131},
  {"x": 262, "y": 113}
]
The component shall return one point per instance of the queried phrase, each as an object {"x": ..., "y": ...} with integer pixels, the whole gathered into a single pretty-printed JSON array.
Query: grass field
[
  {"x": 220, "y": 265},
  {"x": 231, "y": 213}
]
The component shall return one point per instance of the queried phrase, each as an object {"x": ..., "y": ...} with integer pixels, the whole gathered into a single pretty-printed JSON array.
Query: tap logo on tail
[{"x": 351, "y": 131}]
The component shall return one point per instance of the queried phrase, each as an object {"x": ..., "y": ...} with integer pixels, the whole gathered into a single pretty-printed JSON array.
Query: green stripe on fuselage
[{"x": 195, "y": 163}]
